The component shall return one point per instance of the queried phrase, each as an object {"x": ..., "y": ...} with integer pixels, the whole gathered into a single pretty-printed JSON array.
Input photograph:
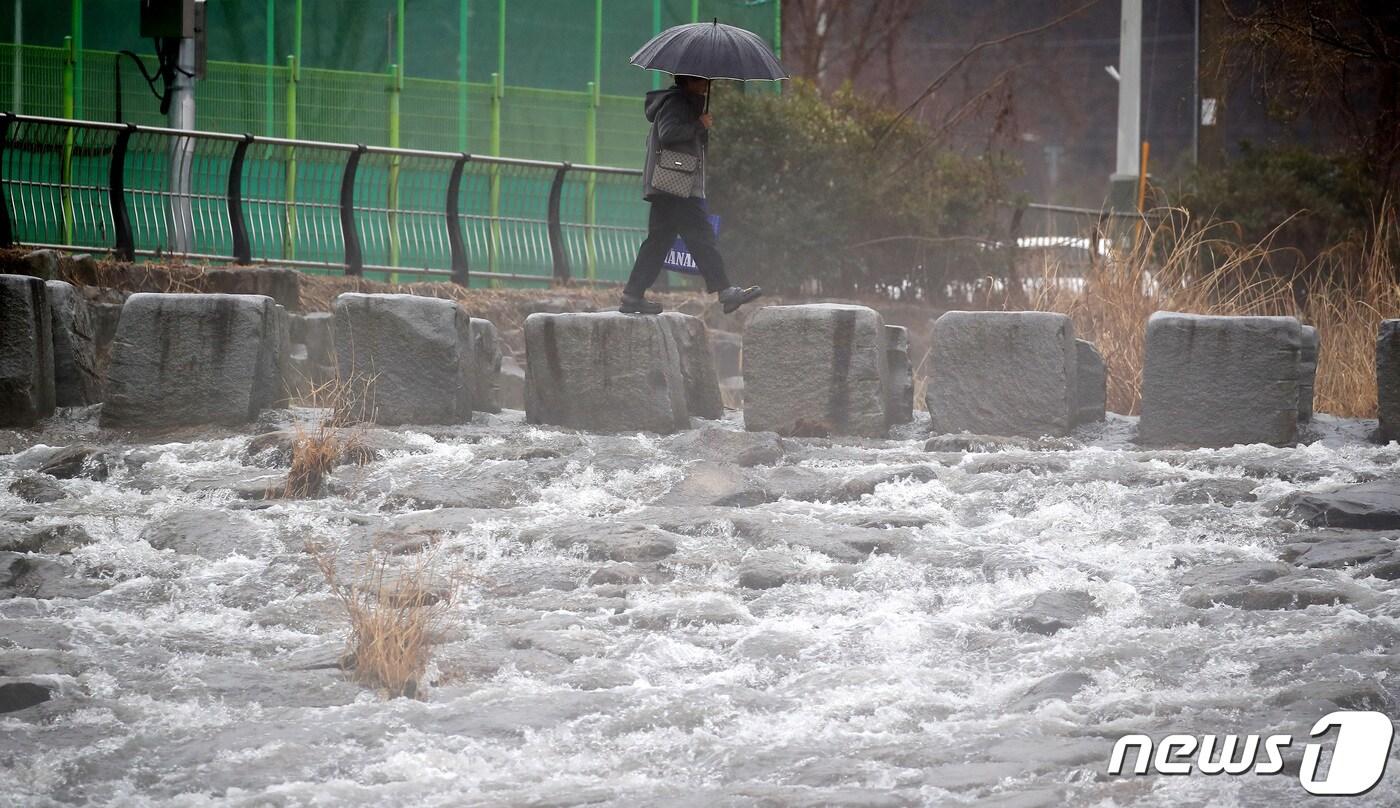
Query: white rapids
[{"x": 977, "y": 632}]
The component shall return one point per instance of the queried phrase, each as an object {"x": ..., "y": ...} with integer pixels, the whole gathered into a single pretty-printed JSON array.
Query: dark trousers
[{"x": 673, "y": 216}]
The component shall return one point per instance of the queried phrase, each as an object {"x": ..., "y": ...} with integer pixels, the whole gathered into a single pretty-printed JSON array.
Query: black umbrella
[{"x": 711, "y": 50}]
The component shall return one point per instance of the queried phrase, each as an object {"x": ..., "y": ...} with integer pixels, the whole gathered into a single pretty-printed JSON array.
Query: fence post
[
  {"x": 395, "y": 93},
  {"x": 460, "y": 273},
  {"x": 591, "y": 187},
  {"x": 556, "y": 227},
  {"x": 7, "y": 233},
  {"x": 125, "y": 249},
  {"x": 289, "y": 237},
  {"x": 66, "y": 177},
  {"x": 354, "y": 260},
  {"x": 497, "y": 92},
  {"x": 242, "y": 250}
]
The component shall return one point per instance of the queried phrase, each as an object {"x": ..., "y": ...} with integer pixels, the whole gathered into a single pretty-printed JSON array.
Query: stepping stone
[
  {"x": 604, "y": 372},
  {"x": 1003, "y": 373},
  {"x": 192, "y": 359},
  {"x": 411, "y": 356},
  {"x": 816, "y": 370},
  {"x": 1213, "y": 381}
]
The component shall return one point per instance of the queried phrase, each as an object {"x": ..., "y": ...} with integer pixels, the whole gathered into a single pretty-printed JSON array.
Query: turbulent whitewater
[{"x": 712, "y": 618}]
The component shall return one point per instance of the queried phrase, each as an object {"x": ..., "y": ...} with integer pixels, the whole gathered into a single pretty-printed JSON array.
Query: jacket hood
[{"x": 656, "y": 98}]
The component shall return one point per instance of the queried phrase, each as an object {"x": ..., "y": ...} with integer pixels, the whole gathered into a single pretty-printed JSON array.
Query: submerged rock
[
  {"x": 768, "y": 569},
  {"x": 1056, "y": 687},
  {"x": 41, "y": 578},
  {"x": 628, "y": 574},
  {"x": 77, "y": 461},
  {"x": 722, "y": 445},
  {"x": 206, "y": 532},
  {"x": 624, "y": 542},
  {"x": 37, "y": 488},
  {"x": 16, "y": 696},
  {"x": 49, "y": 539},
  {"x": 1053, "y": 612},
  {"x": 1224, "y": 491},
  {"x": 1335, "y": 549},
  {"x": 1288, "y": 592},
  {"x": 1372, "y": 505},
  {"x": 709, "y": 483}
]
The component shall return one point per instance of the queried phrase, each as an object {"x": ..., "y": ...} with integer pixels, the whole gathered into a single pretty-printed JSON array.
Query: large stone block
[
  {"x": 26, "y": 351},
  {"x": 728, "y": 350},
  {"x": 1217, "y": 381},
  {"x": 486, "y": 366},
  {"x": 605, "y": 372},
  {"x": 76, "y": 382},
  {"x": 899, "y": 398},
  {"x": 279, "y": 283},
  {"x": 186, "y": 359},
  {"x": 510, "y": 385},
  {"x": 1003, "y": 373},
  {"x": 105, "y": 317},
  {"x": 1388, "y": 379},
  {"x": 271, "y": 385},
  {"x": 317, "y": 332},
  {"x": 1091, "y": 389},
  {"x": 309, "y": 364},
  {"x": 702, "y": 398},
  {"x": 1307, "y": 372},
  {"x": 815, "y": 369},
  {"x": 412, "y": 355}
]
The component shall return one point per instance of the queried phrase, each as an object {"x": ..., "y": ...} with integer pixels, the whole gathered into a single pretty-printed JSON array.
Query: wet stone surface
[{"x": 711, "y": 617}]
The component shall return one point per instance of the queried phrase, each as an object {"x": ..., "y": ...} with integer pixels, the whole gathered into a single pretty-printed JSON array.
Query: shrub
[
  {"x": 1301, "y": 201},
  {"x": 811, "y": 204}
]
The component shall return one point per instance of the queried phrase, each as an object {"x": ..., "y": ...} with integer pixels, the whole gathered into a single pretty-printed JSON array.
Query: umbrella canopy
[{"x": 711, "y": 50}]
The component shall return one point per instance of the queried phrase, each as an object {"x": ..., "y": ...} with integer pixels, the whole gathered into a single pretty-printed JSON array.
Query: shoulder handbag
[{"x": 674, "y": 172}]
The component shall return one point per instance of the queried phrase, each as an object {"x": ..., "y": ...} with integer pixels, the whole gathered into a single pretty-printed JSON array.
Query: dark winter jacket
[{"x": 675, "y": 124}]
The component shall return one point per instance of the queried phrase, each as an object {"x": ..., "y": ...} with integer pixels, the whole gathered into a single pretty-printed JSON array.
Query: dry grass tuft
[
  {"x": 338, "y": 437},
  {"x": 1180, "y": 265},
  {"x": 396, "y": 610}
]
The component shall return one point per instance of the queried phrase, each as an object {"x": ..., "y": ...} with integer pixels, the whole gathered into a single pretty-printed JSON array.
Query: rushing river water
[{"x": 705, "y": 619}]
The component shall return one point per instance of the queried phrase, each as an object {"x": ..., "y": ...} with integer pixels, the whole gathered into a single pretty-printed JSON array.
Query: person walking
[{"x": 680, "y": 132}]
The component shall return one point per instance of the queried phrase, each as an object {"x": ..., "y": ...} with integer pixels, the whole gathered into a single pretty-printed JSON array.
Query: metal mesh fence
[
  {"x": 57, "y": 183},
  {"x": 160, "y": 192},
  {"x": 566, "y": 93}
]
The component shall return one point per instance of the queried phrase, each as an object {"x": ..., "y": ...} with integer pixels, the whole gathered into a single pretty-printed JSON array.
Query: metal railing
[{"x": 152, "y": 191}]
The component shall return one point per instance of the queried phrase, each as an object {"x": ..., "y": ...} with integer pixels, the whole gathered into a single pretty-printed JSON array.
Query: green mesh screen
[{"x": 552, "y": 50}]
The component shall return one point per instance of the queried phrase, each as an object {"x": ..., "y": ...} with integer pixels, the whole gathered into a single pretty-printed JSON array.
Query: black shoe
[
  {"x": 734, "y": 297},
  {"x": 638, "y": 305}
]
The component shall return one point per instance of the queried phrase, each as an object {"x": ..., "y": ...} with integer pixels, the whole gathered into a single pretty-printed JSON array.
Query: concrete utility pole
[
  {"x": 1123, "y": 183},
  {"x": 181, "y": 116}
]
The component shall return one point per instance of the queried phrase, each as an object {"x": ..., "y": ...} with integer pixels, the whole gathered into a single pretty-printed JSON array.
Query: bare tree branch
[{"x": 968, "y": 54}]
